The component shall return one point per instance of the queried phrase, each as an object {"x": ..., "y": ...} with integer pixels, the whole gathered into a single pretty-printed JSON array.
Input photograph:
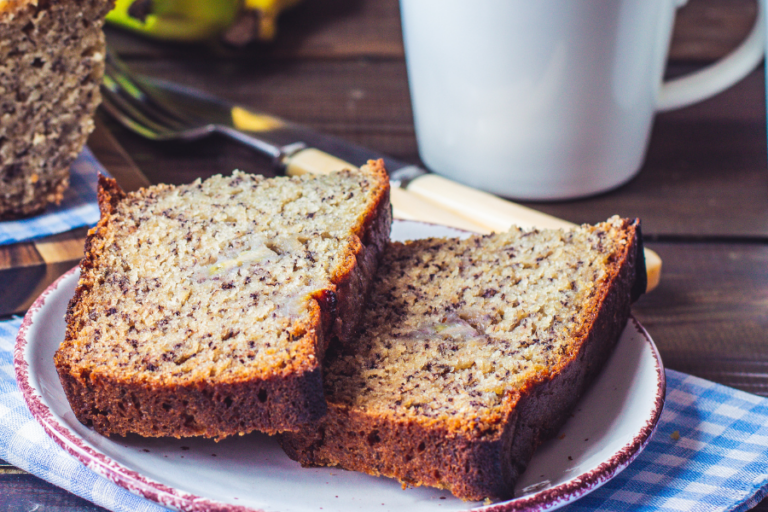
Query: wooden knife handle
[
  {"x": 498, "y": 214},
  {"x": 432, "y": 198},
  {"x": 314, "y": 161}
]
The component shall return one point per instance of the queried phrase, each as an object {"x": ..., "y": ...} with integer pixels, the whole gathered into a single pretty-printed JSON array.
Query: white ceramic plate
[{"x": 611, "y": 425}]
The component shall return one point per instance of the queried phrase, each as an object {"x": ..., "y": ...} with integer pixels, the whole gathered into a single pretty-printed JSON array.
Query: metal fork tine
[
  {"x": 122, "y": 85},
  {"x": 150, "y": 99},
  {"x": 147, "y": 110},
  {"x": 126, "y": 120},
  {"x": 146, "y": 91},
  {"x": 189, "y": 110},
  {"x": 134, "y": 119},
  {"x": 127, "y": 109}
]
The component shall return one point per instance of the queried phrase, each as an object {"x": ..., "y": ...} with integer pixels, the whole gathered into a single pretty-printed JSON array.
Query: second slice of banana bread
[
  {"x": 473, "y": 352},
  {"x": 205, "y": 309}
]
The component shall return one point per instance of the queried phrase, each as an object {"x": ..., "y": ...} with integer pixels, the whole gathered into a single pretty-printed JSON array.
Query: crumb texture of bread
[
  {"x": 206, "y": 309},
  {"x": 51, "y": 64},
  {"x": 472, "y": 353}
]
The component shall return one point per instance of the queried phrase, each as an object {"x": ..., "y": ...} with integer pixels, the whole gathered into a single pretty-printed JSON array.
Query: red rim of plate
[{"x": 168, "y": 496}]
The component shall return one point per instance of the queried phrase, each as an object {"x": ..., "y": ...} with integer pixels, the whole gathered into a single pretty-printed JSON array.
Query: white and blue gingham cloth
[
  {"x": 709, "y": 453},
  {"x": 78, "y": 207}
]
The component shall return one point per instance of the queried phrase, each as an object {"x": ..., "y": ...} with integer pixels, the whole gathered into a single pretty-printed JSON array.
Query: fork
[{"x": 147, "y": 110}]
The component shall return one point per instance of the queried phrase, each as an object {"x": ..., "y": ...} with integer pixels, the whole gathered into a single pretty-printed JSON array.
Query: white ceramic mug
[{"x": 548, "y": 99}]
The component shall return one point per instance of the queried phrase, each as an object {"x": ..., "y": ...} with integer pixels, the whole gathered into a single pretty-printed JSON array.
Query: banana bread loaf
[
  {"x": 205, "y": 309},
  {"x": 51, "y": 63},
  {"x": 472, "y": 353}
]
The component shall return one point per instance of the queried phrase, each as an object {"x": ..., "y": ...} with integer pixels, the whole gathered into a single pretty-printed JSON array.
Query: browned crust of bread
[
  {"x": 289, "y": 397},
  {"x": 354, "y": 277},
  {"x": 486, "y": 465}
]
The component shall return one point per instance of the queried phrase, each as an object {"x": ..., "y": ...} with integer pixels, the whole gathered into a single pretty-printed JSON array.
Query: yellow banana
[
  {"x": 268, "y": 11},
  {"x": 236, "y": 21},
  {"x": 176, "y": 20}
]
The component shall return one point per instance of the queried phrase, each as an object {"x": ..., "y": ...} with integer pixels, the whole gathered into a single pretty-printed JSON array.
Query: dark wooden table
[{"x": 338, "y": 66}]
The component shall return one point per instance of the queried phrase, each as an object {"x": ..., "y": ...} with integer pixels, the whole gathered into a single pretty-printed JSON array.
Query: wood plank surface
[
  {"x": 709, "y": 315},
  {"x": 706, "y": 30},
  {"x": 27, "y": 273}
]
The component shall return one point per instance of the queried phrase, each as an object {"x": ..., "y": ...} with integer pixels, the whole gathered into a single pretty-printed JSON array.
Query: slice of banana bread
[
  {"x": 205, "y": 309},
  {"x": 472, "y": 353},
  {"x": 51, "y": 64}
]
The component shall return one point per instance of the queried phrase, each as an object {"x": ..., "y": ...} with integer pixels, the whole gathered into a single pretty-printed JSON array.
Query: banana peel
[{"x": 236, "y": 22}]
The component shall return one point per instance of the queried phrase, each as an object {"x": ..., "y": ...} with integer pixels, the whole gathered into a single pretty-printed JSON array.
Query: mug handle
[{"x": 719, "y": 76}]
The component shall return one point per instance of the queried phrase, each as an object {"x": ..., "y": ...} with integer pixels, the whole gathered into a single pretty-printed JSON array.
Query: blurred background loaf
[{"x": 51, "y": 63}]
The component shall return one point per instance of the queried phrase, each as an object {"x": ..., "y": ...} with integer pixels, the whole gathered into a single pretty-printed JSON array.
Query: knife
[{"x": 416, "y": 194}]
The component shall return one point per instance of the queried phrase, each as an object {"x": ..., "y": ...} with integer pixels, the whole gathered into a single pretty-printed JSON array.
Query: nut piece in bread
[
  {"x": 472, "y": 353},
  {"x": 205, "y": 309}
]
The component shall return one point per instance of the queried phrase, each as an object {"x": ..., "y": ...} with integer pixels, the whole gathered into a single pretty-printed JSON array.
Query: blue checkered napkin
[
  {"x": 709, "y": 453},
  {"x": 24, "y": 444},
  {"x": 78, "y": 207}
]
